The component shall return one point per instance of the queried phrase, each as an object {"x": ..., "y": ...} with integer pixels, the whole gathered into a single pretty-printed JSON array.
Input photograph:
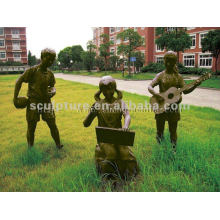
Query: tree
[
  {"x": 64, "y": 57},
  {"x": 32, "y": 60},
  {"x": 104, "y": 48},
  {"x": 113, "y": 62},
  {"x": 88, "y": 56},
  {"x": 139, "y": 59},
  {"x": 100, "y": 63},
  {"x": 133, "y": 41},
  {"x": 175, "y": 39},
  {"x": 76, "y": 51},
  {"x": 211, "y": 43}
]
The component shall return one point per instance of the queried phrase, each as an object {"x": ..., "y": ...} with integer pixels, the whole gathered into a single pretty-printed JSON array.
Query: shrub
[{"x": 153, "y": 67}]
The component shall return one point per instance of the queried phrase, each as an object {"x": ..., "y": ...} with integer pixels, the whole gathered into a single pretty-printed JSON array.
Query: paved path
[{"x": 199, "y": 97}]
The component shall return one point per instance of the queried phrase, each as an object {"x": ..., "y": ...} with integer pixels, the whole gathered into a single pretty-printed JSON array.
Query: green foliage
[
  {"x": 113, "y": 62},
  {"x": 88, "y": 56},
  {"x": 140, "y": 59},
  {"x": 104, "y": 49},
  {"x": 176, "y": 40},
  {"x": 153, "y": 67},
  {"x": 192, "y": 70},
  {"x": 32, "y": 60},
  {"x": 100, "y": 63},
  {"x": 211, "y": 43},
  {"x": 70, "y": 57},
  {"x": 11, "y": 63},
  {"x": 134, "y": 40}
]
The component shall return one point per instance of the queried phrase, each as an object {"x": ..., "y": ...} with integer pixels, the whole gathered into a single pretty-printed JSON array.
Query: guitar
[{"x": 173, "y": 95}]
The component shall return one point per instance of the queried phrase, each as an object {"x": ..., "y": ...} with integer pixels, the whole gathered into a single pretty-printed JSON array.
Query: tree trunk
[
  {"x": 105, "y": 64},
  {"x": 178, "y": 57},
  {"x": 129, "y": 64},
  {"x": 216, "y": 65}
]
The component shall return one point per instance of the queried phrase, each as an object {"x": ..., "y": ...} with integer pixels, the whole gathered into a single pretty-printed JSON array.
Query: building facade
[
  {"x": 13, "y": 44},
  {"x": 192, "y": 57}
]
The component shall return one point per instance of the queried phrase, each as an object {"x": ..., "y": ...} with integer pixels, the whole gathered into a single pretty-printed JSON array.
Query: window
[
  {"x": 112, "y": 39},
  {"x": 201, "y": 36},
  {"x": 118, "y": 41},
  {"x": 15, "y": 45},
  {"x": 170, "y": 29},
  {"x": 112, "y": 30},
  {"x": 158, "y": 48},
  {"x": 189, "y": 60},
  {"x": 159, "y": 59},
  {"x": 142, "y": 28},
  {"x": 189, "y": 28},
  {"x": 112, "y": 50},
  {"x": 193, "y": 39},
  {"x": 17, "y": 55},
  {"x": 1, "y": 31},
  {"x": 135, "y": 28},
  {"x": 205, "y": 60},
  {"x": 126, "y": 39},
  {"x": 15, "y": 31},
  {"x": 118, "y": 29},
  {"x": 2, "y": 55},
  {"x": 125, "y": 28},
  {"x": 2, "y": 43}
]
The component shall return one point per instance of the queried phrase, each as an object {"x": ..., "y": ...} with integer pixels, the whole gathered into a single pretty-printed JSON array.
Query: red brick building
[
  {"x": 192, "y": 57},
  {"x": 13, "y": 44}
]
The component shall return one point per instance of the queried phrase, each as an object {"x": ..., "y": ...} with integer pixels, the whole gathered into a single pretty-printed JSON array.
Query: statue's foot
[{"x": 59, "y": 146}]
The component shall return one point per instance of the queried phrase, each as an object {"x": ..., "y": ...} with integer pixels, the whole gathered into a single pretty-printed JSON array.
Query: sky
[{"x": 57, "y": 24}]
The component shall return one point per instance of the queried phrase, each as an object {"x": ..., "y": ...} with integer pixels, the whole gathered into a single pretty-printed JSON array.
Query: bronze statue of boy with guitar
[{"x": 171, "y": 85}]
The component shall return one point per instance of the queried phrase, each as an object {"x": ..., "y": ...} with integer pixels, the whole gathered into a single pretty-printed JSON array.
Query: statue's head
[
  {"x": 108, "y": 87},
  {"x": 170, "y": 60},
  {"x": 47, "y": 57}
]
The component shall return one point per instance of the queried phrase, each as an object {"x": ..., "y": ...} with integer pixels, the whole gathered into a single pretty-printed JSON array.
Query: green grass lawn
[
  {"x": 195, "y": 167},
  {"x": 210, "y": 83}
]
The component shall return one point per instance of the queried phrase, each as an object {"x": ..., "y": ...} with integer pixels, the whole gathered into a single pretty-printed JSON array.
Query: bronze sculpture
[
  {"x": 113, "y": 161},
  {"x": 165, "y": 80},
  {"x": 41, "y": 89}
]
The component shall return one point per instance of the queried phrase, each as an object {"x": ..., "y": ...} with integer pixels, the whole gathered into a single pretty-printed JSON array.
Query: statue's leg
[
  {"x": 54, "y": 132},
  {"x": 30, "y": 132},
  {"x": 173, "y": 132},
  {"x": 160, "y": 123}
]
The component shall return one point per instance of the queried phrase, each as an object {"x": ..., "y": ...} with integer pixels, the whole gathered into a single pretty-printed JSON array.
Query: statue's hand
[
  {"x": 198, "y": 82},
  {"x": 125, "y": 128},
  {"x": 51, "y": 92},
  {"x": 159, "y": 97}
]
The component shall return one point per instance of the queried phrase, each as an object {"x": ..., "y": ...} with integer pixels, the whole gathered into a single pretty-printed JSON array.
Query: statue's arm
[
  {"x": 90, "y": 117},
  {"x": 18, "y": 85},
  {"x": 154, "y": 83},
  {"x": 126, "y": 115},
  {"x": 187, "y": 91}
]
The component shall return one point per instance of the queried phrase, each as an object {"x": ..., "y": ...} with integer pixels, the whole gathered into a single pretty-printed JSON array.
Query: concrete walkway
[{"x": 199, "y": 97}]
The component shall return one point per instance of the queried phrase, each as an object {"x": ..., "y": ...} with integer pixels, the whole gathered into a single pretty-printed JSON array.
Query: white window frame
[
  {"x": 158, "y": 49},
  {"x": 16, "y": 56},
  {"x": 193, "y": 35},
  {"x": 200, "y": 40},
  {"x": 190, "y": 28},
  {"x": 111, "y": 32},
  {"x": 161, "y": 57},
  {"x": 4, "y": 43},
  {"x": 118, "y": 41},
  {"x": 126, "y": 39},
  {"x": 118, "y": 29},
  {"x": 201, "y": 54},
  {"x": 16, "y": 45},
  {"x": 2, "y": 51},
  {"x": 112, "y": 50},
  {"x": 3, "y": 32},
  {"x": 125, "y": 28},
  {"x": 185, "y": 55},
  {"x": 112, "y": 38},
  {"x": 16, "y": 30}
]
